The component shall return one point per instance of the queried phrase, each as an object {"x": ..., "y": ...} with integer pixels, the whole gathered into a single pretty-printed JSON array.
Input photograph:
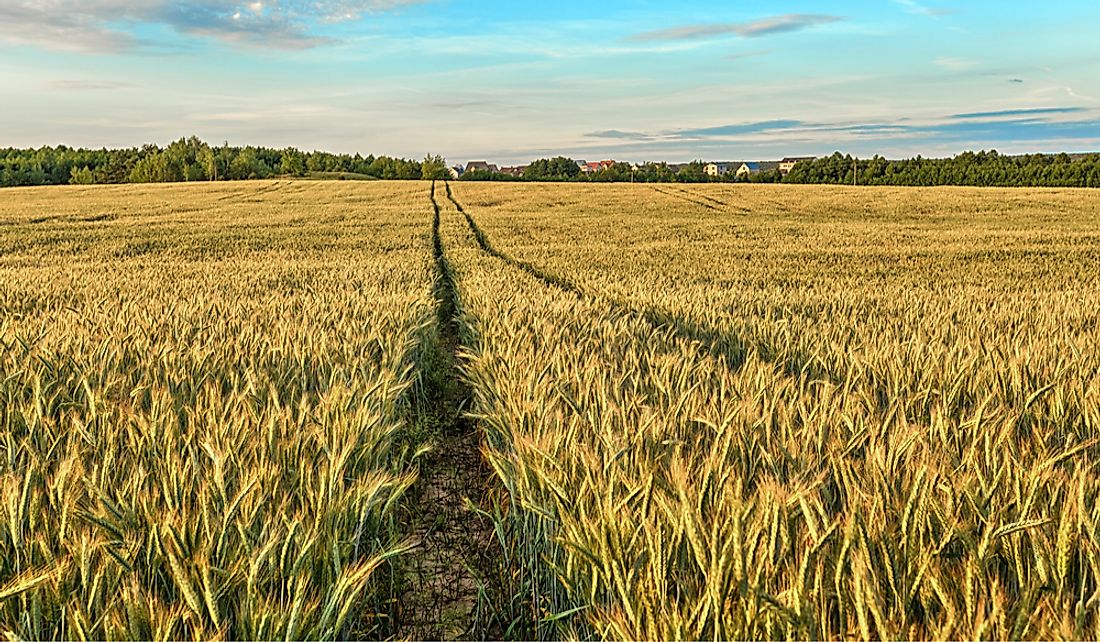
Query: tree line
[
  {"x": 969, "y": 168},
  {"x": 982, "y": 169},
  {"x": 190, "y": 159},
  {"x": 563, "y": 169}
]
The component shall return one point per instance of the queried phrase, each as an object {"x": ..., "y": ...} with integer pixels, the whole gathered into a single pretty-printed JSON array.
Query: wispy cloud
[
  {"x": 699, "y": 133},
  {"x": 65, "y": 26},
  {"x": 736, "y": 130},
  {"x": 100, "y": 26},
  {"x": 748, "y": 54},
  {"x": 1020, "y": 130},
  {"x": 955, "y": 64},
  {"x": 616, "y": 134},
  {"x": 959, "y": 131},
  {"x": 1043, "y": 111},
  {"x": 754, "y": 29},
  {"x": 912, "y": 6},
  {"x": 87, "y": 85},
  {"x": 1069, "y": 90}
]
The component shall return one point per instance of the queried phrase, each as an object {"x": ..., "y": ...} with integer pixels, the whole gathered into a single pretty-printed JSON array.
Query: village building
[
  {"x": 749, "y": 169},
  {"x": 481, "y": 166},
  {"x": 596, "y": 166},
  {"x": 719, "y": 169},
  {"x": 787, "y": 164}
]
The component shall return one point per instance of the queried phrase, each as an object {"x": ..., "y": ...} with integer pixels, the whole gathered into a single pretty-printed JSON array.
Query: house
[
  {"x": 592, "y": 168},
  {"x": 719, "y": 169},
  {"x": 456, "y": 171},
  {"x": 787, "y": 164},
  {"x": 481, "y": 166},
  {"x": 748, "y": 169},
  {"x": 513, "y": 171}
]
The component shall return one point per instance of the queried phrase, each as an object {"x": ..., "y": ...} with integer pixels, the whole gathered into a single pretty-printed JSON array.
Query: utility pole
[{"x": 855, "y": 170}]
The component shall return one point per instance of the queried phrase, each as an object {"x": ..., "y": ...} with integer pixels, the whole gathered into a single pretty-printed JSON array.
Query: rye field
[{"x": 299, "y": 410}]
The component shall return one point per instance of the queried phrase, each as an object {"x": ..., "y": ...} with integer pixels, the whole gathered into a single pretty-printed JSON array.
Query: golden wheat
[
  {"x": 714, "y": 412},
  {"x": 732, "y": 412},
  {"x": 202, "y": 413}
]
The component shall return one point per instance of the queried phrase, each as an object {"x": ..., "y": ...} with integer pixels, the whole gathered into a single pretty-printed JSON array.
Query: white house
[
  {"x": 787, "y": 164},
  {"x": 748, "y": 169},
  {"x": 719, "y": 169}
]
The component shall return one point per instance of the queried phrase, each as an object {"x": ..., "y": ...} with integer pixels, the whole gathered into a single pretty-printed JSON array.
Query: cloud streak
[
  {"x": 699, "y": 133},
  {"x": 912, "y": 6},
  {"x": 755, "y": 29},
  {"x": 97, "y": 26},
  {"x": 748, "y": 54},
  {"x": 616, "y": 134},
  {"x": 736, "y": 130},
  {"x": 87, "y": 85},
  {"x": 954, "y": 64},
  {"x": 993, "y": 129},
  {"x": 1048, "y": 111}
]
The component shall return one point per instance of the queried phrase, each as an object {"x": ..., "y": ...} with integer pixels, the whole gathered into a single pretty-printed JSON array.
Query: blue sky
[{"x": 512, "y": 81}]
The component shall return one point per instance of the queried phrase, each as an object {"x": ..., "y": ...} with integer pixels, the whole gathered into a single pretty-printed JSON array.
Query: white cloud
[
  {"x": 1069, "y": 90},
  {"x": 955, "y": 64},
  {"x": 912, "y": 6},
  {"x": 754, "y": 29},
  {"x": 87, "y": 85},
  {"x": 92, "y": 25}
]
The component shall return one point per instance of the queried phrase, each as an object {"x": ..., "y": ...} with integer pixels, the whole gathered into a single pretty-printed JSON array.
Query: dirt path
[{"x": 455, "y": 546}]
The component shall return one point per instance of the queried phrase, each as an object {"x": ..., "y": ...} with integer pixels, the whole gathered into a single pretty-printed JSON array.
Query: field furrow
[
  {"x": 540, "y": 363},
  {"x": 454, "y": 548}
]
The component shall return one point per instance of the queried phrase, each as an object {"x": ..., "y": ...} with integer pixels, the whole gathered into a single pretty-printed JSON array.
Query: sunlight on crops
[
  {"x": 201, "y": 407},
  {"x": 710, "y": 412},
  {"x": 752, "y": 412}
]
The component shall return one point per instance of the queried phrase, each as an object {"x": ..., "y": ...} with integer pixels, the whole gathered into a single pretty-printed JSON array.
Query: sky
[{"x": 512, "y": 81}]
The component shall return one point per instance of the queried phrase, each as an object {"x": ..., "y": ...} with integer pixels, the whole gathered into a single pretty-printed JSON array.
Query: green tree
[
  {"x": 292, "y": 162},
  {"x": 434, "y": 168},
  {"x": 559, "y": 168},
  {"x": 693, "y": 172},
  {"x": 82, "y": 176}
]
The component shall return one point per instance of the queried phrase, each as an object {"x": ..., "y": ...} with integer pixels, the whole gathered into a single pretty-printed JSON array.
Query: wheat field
[
  {"x": 202, "y": 423},
  {"x": 707, "y": 412}
]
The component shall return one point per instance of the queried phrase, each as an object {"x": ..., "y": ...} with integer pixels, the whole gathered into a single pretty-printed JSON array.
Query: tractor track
[
  {"x": 685, "y": 197},
  {"x": 701, "y": 200},
  {"x": 455, "y": 546},
  {"x": 733, "y": 350}
]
